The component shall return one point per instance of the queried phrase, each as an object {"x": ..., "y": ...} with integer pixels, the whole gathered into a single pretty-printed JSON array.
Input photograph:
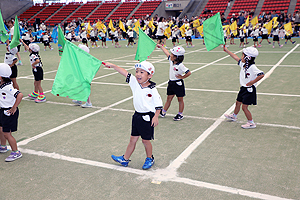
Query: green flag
[
  {"x": 16, "y": 38},
  {"x": 145, "y": 46},
  {"x": 61, "y": 41},
  {"x": 3, "y": 33},
  {"x": 213, "y": 32},
  {"x": 75, "y": 73}
]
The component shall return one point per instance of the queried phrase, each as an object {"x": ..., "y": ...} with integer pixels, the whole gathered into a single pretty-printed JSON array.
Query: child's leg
[
  {"x": 89, "y": 100},
  {"x": 168, "y": 102},
  {"x": 2, "y": 138},
  {"x": 11, "y": 140},
  {"x": 131, "y": 147},
  {"x": 181, "y": 105},
  {"x": 148, "y": 148},
  {"x": 237, "y": 107},
  {"x": 247, "y": 112},
  {"x": 15, "y": 84},
  {"x": 38, "y": 86}
]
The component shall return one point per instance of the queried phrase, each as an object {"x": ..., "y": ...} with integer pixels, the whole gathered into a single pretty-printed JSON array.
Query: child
[
  {"x": 46, "y": 40},
  {"x": 94, "y": 37},
  {"x": 275, "y": 36},
  {"x": 264, "y": 35},
  {"x": 116, "y": 38},
  {"x": 175, "y": 32},
  {"x": 83, "y": 36},
  {"x": 37, "y": 70},
  {"x": 147, "y": 104},
  {"x": 130, "y": 37},
  {"x": 288, "y": 37},
  {"x": 255, "y": 35},
  {"x": 188, "y": 37},
  {"x": 242, "y": 37},
  {"x": 88, "y": 103},
  {"x": 249, "y": 75},
  {"x": 178, "y": 72},
  {"x": 103, "y": 39},
  {"x": 27, "y": 37},
  {"x": 9, "y": 113},
  {"x": 11, "y": 60}
]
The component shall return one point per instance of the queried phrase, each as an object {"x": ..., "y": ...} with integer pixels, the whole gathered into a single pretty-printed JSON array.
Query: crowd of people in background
[{"x": 78, "y": 29}]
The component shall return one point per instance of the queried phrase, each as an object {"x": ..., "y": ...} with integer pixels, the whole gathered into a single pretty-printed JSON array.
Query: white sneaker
[
  {"x": 78, "y": 103},
  {"x": 87, "y": 105},
  {"x": 249, "y": 125},
  {"x": 231, "y": 117}
]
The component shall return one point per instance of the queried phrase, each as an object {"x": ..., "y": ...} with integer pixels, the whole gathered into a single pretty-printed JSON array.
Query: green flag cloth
[
  {"x": 3, "y": 33},
  {"x": 213, "y": 32},
  {"x": 145, "y": 46},
  {"x": 75, "y": 73},
  {"x": 16, "y": 38},
  {"x": 61, "y": 41}
]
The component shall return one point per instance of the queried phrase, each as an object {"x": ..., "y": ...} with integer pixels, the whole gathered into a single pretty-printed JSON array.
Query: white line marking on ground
[
  {"x": 24, "y": 142},
  {"x": 172, "y": 168},
  {"x": 152, "y": 174}
]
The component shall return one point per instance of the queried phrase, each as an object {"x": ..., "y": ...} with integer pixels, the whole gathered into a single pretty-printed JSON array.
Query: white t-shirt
[
  {"x": 160, "y": 29},
  {"x": 45, "y": 37},
  {"x": 189, "y": 33},
  {"x": 176, "y": 69},
  {"x": 102, "y": 34},
  {"x": 144, "y": 99},
  {"x": 247, "y": 75},
  {"x": 9, "y": 58},
  {"x": 130, "y": 33},
  {"x": 276, "y": 31},
  {"x": 264, "y": 31},
  {"x": 255, "y": 33},
  {"x": 242, "y": 34},
  {"x": 33, "y": 58},
  {"x": 8, "y": 95},
  {"x": 26, "y": 36},
  {"x": 83, "y": 35}
]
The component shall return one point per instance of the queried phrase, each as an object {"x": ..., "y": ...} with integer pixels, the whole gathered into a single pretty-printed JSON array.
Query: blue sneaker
[
  {"x": 3, "y": 149},
  {"x": 148, "y": 163},
  {"x": 13, "y": 156},
  {"x": 121, "y": 160}
]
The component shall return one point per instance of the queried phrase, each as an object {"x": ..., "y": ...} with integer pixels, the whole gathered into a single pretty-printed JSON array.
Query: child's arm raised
[
  {"x": 164, "y": 49},
  {"x": 25, "y": 45},
  {"x": 117, "y": 68},
  {"x": 234, "y": 56}
]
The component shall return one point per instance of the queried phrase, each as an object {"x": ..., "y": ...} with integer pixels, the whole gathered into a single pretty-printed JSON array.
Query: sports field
[{"x": 66, "y": 149}]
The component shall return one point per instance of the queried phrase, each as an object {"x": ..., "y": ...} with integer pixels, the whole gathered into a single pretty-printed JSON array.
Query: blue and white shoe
[
  {"x": 87, "y": 105},
  {"x": 3, "y": 149},
  {"x": 148, "y": 163},
  {"x": 13, "y": 156},
  {"x": 77, "y": 102},
  {"x": 121, "y": 160}
]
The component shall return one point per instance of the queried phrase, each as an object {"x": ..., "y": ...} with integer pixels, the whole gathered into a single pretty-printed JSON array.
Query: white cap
[
  {"x": 5, "y": 70},
  {"x": 178, "y": 51},
  {"x": 13, "y": 50},
  {"x": 251, "y": 51},
  {"x": 34, "y": 47},
  {"x": 147, "y": 66},
  {"x": 84, "y": 48}
]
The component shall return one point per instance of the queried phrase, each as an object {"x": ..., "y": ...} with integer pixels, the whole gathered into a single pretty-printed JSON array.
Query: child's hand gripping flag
[
  {"x": 3, "y": 33},
  {"x": 145, "y": 47},
  {"x": 16, "y": 39},
  {"x": 61, "y": 41},
  {"x": 213, "y": 32},
  {"x": 75, "y": 73}
]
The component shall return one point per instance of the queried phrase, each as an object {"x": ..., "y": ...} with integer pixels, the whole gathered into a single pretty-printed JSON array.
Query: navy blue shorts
[
  {"x": 247, "y": 95},
  {"x": 38, "y": 73},
  {"x": 9, "y": 123},
  {"x": 14, "y": 71},
  {"x": 141, "y": 125},
  {"x": 176, "y": 88}
]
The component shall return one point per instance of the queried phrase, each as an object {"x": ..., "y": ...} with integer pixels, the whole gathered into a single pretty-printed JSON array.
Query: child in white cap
[
  {"x": 88, "y": 103},
  {"x": 37, "y": 69},
  {"x": 9, "y": 113},
  {"x": 249, "y": 76},
  {"x": 177, "y": 73},
  {"x": 147, "y": 104},
  {"x": 11, "y": 60}
]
